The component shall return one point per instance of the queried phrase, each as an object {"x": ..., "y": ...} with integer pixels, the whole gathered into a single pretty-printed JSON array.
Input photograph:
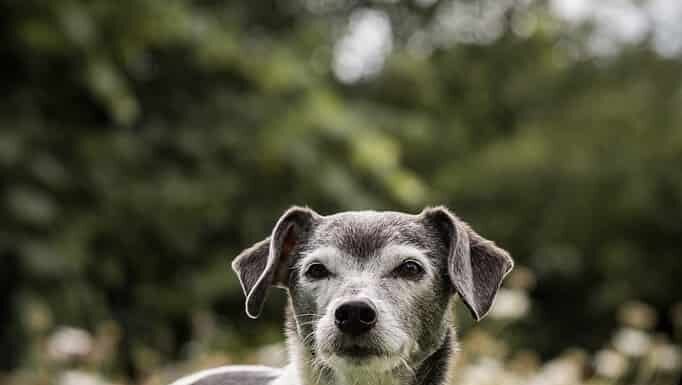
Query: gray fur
[
  {"x": 240, "y": 378},
  {"x": 411, "y": 342}
]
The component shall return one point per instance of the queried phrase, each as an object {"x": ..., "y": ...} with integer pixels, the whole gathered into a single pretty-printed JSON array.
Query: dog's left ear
[
  {"x": 476, "y": 266},
  {"x": 265, "y": 263}
]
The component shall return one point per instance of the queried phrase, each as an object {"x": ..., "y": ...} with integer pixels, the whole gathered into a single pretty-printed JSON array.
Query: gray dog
[{"x": 370, "y": 295}]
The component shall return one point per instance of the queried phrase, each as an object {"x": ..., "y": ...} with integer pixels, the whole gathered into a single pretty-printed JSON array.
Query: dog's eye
[
  {"x": 317, "y": 271},
  {"x": 409, "y": 270}
]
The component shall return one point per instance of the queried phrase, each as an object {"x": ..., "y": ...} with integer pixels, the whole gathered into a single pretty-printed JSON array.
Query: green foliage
[{"x": 144, "y": 143}]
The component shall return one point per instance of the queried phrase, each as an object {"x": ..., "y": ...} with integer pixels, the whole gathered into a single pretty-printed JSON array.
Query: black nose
[{"x": 355, "y": 317}]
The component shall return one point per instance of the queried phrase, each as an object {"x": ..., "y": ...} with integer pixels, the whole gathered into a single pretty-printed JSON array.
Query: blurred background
[{"x": 144, "y": 143}]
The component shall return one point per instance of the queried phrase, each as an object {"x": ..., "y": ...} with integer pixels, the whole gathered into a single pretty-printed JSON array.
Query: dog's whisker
[
  {"x": 408, "y": 367},
  {"x": 307, "y": 337},
  {"x": 307, "y": 321},
  {"x": 322, "y": 371},
  {"x": 308, "y": 316},
  {"x": 318, "y": 368}
]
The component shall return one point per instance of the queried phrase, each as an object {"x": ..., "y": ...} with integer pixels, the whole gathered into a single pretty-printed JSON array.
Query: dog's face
[{"x": 372, "y": 289}]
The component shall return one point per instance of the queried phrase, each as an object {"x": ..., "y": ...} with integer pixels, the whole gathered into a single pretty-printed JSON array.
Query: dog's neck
[{"x": 305, "y": 369}]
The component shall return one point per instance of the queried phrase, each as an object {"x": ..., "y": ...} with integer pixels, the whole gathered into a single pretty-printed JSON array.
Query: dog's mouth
[
  {"x": 362, "y": 357},
  {"x": 360, "y": 353},
  {"x": 357, "y": 352}
]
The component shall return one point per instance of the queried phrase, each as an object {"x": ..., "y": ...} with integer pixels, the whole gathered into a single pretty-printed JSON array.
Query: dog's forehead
[{"x": 364, "y": 233}]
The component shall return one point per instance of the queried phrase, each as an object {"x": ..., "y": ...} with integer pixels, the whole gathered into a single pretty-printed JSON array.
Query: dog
[{"x": 370, "y": 295}]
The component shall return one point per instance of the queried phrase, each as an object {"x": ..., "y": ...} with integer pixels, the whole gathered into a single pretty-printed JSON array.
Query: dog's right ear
[{"x": 265, "y": 263}]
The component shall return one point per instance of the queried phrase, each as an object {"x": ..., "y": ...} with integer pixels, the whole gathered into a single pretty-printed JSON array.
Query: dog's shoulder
[{"x": 232, "y": 375}]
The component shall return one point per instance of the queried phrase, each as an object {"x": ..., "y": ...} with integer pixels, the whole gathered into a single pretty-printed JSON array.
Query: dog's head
[{"x": 373, "y": 288}]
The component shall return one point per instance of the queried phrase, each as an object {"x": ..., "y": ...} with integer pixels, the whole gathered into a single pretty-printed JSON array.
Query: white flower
[
  {"x": 484, "y": 372},
  {"x": 77, "y": 377},
  {"x": 510, "y": 304},
  {"x": 666, "y": 357},
  {"x": 632, "y": 342},
  {"x": 69, "y": 343},
  {"x": 638, "y": 315},
  {"x": 609, "y": 363},
  {"x": 566, "y": 370}
]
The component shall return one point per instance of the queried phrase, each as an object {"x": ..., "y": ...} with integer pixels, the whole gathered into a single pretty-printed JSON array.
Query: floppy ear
[
  {"x": 476, "y": 266},
  {"x": 265, "y": 263}
]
